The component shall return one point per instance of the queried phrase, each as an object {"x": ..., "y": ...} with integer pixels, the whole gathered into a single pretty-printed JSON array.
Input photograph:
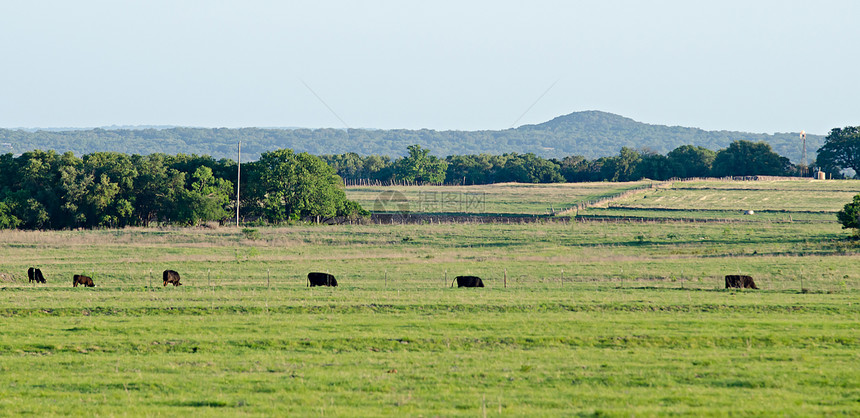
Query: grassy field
[
  {"x": 771, "y": 201},
  {"x": 503, "y": 198},
  {"x": 598, "y": 318}
]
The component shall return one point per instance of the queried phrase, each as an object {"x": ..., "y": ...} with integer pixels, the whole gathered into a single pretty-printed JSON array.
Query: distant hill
[{"x": 592, "y": 134}]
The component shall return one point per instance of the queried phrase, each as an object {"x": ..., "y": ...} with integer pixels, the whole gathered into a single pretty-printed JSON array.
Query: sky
[{"x": 758, "y": 66}]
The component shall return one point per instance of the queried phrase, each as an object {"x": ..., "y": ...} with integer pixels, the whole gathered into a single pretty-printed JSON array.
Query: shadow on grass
[
  {"x": 733, "y": 291},
  {"x": 203, "y": 404}
]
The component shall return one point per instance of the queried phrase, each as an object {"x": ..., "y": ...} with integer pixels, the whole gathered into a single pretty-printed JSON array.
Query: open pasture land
[
  {"x": 598, "y": 318},
  {"x": 778, "y": 200},
  {"x": 502, "y": 198}
]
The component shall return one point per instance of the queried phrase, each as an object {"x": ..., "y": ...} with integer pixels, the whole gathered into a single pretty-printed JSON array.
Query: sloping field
[
  {"x": 811, "y": 195},
  {"x": 502, "y": 198},
  {"x": 788, "y": 200}
]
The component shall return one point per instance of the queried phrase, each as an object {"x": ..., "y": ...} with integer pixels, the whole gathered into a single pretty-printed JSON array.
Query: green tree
[
  {"x": 475, "y": 169},
  {"x": 30, "y": 211},
  {"x": 111, "y": 195},
  {"x": 841, "y": 150},
  {"x": 157, "y": 189},
  {"x": 353, "y": 166},
  {"x": 7, "y": 219},
  {"x": 206, "y": 200},
  {"x": 101, "y": 198},
  {"x": 32, "y": 195},
  {"x": 347, "y": 166},
  {"x": 420, "y": 167},
  {"x": 295, "y": 186},
  {"x": 653, "y": 166},
  {"x": 622, "y": 167},
  {"x": 529, "y": 168},
  {"x": 378, "y": 167},
  {"x": 691, "y": 161},
  {"x": 746, "y": 158},
  {"x": 572, "y": 167},
  {"x": 849, "y": 216},
  {"x": 73, "y": 186}
]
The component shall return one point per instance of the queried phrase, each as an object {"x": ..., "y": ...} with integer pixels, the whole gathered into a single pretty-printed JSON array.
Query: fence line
[
  {"x": 384, "y": 183},
  {"x": 610, "y": 198},
  {"x": 499, "y": 277},
  {"x": 388, "y": 183}
]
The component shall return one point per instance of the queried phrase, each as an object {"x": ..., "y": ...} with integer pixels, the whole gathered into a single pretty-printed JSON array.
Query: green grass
[
  {"x": 597, "y": 318},
  {"x": 728, "y": 201},
  {"x": 534, "y": 351},
  {"x": 785, "y": 195},
  {"x": 503, "y": 198},
  {"x": 579, "y": 350},
  {"x": 725, "y": 215}
]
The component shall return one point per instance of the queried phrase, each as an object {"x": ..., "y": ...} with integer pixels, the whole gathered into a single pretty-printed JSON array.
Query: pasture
[
  {"x": 488, "y": 199},
  {"x": 598, "y": 318},
  {"x": 778, "y": 200}
]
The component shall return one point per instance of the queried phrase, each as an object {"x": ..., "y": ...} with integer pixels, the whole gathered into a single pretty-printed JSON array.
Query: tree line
[
  {"x": 740, "y": 158},
  {"x": 47, "y": 190},
  {"x": 839, "y": 157}
]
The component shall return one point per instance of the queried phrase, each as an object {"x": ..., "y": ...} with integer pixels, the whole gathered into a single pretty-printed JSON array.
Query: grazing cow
[
  {"x": 468, "y": 281},
  {"x": 738, "y": 281},
  {"x": 171, "y": 277},
  {"x": 321, "y": 279},
  {"x": 83, "y": 281},
  {"x": 35, "y": 275}
]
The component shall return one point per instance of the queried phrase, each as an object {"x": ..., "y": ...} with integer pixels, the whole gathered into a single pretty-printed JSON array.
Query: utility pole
[
  {"x": 803, "y": 156},
  {"x": 238, "y": 178}
]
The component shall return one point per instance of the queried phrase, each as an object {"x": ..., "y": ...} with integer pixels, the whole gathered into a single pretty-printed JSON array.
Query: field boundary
[
  {"x": 667, "y": 183},
  {"x": 424, "y": 218},
  {"x": 421, "y": 218},
  {"x": 388, "y": 183},
  {"x": 607, "y": 199}
]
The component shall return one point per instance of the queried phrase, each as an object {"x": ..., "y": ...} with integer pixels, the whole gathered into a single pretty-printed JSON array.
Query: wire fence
[{"x": 566, "y": 278}]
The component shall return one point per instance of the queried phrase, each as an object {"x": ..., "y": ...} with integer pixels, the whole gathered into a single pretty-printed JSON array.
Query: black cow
[
  {"x": 171, "y": 277},
  {"x": 468, "y": 281},
  {"x": 35, "y": 275},
  {"x": 739, "y": 281},
  {"x": 321, "y": 279},
  {"x": 83, "y": 281}
]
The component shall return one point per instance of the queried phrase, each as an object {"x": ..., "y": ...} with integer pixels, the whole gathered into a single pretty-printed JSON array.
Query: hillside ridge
[{"x": 591, "y": 133}]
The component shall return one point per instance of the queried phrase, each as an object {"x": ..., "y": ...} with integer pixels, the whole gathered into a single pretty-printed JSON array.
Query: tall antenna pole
[
  {"x": 803, "y": 157},
  {"x": 238, "y": 178}
]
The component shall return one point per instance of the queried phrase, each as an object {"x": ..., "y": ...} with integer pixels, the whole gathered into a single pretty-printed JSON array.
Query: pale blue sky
[{"x": 760, "y": 66}]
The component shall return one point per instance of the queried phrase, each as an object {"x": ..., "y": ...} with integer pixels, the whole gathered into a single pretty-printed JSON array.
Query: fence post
[{"x": 506, "y": 278}]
